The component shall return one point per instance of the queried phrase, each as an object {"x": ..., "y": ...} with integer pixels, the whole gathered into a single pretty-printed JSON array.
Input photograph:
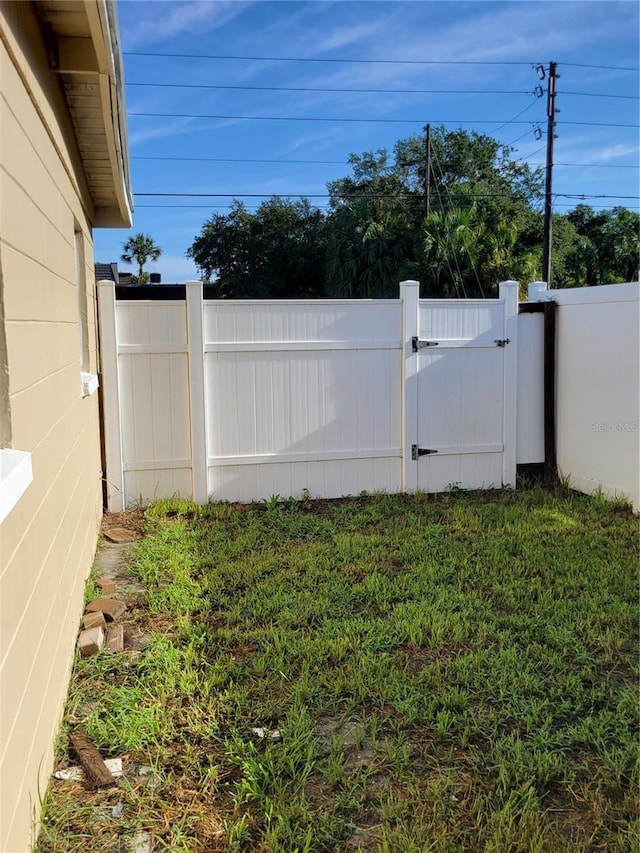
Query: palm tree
[{"x": 140, "y": 248}]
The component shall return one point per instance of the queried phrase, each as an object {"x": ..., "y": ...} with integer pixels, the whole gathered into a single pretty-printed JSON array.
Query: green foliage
[
  {"x": 471, "y": 239},
  {"x": 139, "y": 249},
  {"x": 595, "y": 247},
  {"x": 484, "y": 226},
  {"x": 276, "y": 252},
  {"x": 608, "y": 245},
  {"x": 368, "y": 250}
]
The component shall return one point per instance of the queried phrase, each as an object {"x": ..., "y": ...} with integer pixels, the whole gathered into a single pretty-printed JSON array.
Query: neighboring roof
[
  {"x": 106, "y": 272},
  {"x": 86, "y": 54}
]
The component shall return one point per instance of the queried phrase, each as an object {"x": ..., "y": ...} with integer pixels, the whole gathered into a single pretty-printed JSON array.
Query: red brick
[
  {"x": 115, "y": 638},
  {"x": 119, "y": 534},
  {"x": 90, "y": 642},
  {"x": 94, "y": 620},
  {"x": 111, "y": 607}
]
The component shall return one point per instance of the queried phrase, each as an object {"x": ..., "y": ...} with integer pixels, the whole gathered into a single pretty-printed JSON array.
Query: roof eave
[{"x": 90, "y": 66}]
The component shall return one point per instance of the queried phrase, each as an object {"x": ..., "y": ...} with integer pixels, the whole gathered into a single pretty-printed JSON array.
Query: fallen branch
[{"x": 91, "y": 760}]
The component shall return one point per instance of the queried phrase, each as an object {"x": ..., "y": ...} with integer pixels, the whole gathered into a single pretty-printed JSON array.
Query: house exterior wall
[{"x": 48, "y": 539}]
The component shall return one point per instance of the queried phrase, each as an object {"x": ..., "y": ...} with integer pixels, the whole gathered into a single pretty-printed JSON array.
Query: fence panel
[
  {"x": 303, "y": 395},
  {"x": 153, "y": 367},
  {"x": 147, "y": 411},
  {"x": 238, "y": 400},
  {"x": 598, "y": 384}
]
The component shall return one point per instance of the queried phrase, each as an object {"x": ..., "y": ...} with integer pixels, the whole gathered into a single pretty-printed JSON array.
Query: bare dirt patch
[{"x": 132, "y": 520}]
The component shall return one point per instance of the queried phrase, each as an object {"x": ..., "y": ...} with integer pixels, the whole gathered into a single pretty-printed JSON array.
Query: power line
[
  {"x": 469, "y": 197},
  {"x": 517, "y": 116},
  {"x": 318, "y": 59},
  {"x": 359, "y": 60},
  {"x": 600, "y": 95},
  {"x": 208, "y": 206},
  {"x": 240, "y": 160},
  {"x": 603, "y": 67},
  {"x": 290, "y": 118},
  {"x": 365, "y": 120},
  {"x": 537, "y": 151},
  {"x": 597, "y": 124},
  {"x": 457, "y": 203},
  {"x": 513, "y": 141},
  {"x": 591, "y": 165},
  {"x": 595, "y": 195},
  {"x": 354, "y": 196},
  {"x": 235, "y": 88},
  {"x": 323, "y": 89},
  {"x": 345, "y": 163},
  {"x": 602, "y": 206}
]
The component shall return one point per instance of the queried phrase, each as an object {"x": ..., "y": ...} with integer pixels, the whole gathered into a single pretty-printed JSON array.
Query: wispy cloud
[
  {"x": 175, "y": 127},
  {"x": 585, "y": 148},
  {"x": 343, "y": 36},
  {"x": 613, "y": 152},
  {"x": 147, "y": 23},
  {"x": 314, "y": 143}
]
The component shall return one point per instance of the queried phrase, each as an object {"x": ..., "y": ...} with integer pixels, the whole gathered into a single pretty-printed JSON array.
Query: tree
[
  {"x": 484, "y": 226},
  {"x": 140, "y": 248},
  {"x": 279, "y": 251},
  {"x": 608, "y": 245},
  {"x": 474, "y": 236},
  {"x": 369, "y": 246}
]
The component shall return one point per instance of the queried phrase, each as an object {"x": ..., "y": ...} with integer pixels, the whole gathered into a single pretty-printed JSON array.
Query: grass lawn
[{"x": 428, "y": 673}]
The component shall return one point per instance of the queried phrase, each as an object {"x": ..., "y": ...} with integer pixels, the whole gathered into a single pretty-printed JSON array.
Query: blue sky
[{"x": 574, "y": 34}]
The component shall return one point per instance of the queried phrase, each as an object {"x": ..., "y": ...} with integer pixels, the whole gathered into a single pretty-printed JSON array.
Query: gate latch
[
  {"x": 502, "y": 342},
  {"x": 420, "y": 451},
  {"x": 417, "y": 344}
]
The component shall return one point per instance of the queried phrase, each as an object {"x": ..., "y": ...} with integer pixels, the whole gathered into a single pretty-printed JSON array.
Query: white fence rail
[{"x": 236, "y": 400}]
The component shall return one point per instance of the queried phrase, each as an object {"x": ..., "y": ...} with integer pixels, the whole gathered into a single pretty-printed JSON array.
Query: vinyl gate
[
  {"x": 465, "y": 395},
  {"x": 239, "y": 400}
]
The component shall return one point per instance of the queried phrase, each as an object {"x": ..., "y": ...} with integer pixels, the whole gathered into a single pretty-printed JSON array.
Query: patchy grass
[{"x": 430, "y": 673}]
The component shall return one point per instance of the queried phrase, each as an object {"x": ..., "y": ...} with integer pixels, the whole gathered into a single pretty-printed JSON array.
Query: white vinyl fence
[
  {"x": 598, "y": 387},
  {"x": 241, "y": 400}
]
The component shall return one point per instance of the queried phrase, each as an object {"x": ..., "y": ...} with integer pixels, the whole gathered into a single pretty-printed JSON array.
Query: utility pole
[
  {"x": 427, "y": 171},
  {"x": 551, "y": 127}
]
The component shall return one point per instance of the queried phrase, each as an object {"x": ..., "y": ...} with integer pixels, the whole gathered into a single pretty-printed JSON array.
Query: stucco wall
[{"x": 48, "y": 540}]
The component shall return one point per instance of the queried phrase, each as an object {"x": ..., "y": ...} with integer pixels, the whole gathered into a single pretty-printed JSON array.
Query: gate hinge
[
  {"x": 420, "y": 451},
  {"x": 502, "y": 342},
  {"x": 417, "y": 344}
]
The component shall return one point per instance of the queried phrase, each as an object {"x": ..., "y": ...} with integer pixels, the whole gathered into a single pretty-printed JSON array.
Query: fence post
[
  {"x": 114, "y": 474},
  {"x": 195, "y": 339},
  {"x": 508, "y": 292},
  {"x": 536, "y": 290},
  {"x": 409, "y": 295}
]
